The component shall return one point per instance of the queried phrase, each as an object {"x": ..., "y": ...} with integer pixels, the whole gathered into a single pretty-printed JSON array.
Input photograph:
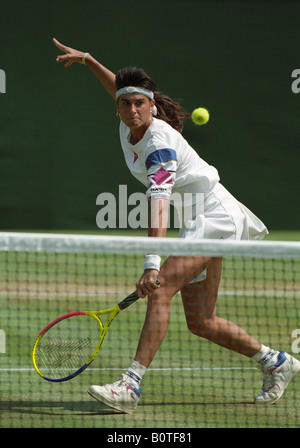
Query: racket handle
[{"x": 133, "y": 297}]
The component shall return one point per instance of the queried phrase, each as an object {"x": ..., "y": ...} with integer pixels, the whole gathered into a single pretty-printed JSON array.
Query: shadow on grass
[
  {"x": 91, "y": 407},
  {"x": 55, "y": 407}
]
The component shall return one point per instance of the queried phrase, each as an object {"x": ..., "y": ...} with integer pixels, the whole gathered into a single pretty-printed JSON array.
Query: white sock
[
  {"x": 266, "y": 356},
  {"x": 135, "y": 372}
]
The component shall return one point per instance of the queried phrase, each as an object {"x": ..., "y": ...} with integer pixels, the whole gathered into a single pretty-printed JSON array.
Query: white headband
[{"x": 131, "y": 89}]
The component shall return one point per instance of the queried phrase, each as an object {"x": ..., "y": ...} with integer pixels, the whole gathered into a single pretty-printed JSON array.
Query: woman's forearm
[
  {"x": 158, "y": 222},
  {"x": 157, "y": 227},
  {"x": 105, "y": 76}
]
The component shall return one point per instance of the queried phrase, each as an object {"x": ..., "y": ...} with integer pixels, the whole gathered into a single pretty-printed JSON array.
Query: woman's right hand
[
  {"x": 71, "y": 55},
  {"x": 147, "y": 283}
]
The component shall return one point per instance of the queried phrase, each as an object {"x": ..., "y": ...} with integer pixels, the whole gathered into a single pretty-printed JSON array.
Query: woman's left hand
[{"x": 71, "y": 55}]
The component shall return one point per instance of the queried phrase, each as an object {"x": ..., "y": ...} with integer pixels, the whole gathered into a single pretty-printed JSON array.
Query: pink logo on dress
[{"x": 135, "y": 157}]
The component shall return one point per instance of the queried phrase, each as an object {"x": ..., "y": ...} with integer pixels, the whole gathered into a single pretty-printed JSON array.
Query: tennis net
[{"x": 192, "y": 382}]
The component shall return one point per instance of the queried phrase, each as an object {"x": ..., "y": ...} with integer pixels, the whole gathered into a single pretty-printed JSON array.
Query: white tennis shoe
[
  {"x": 277, "y": 378},
  {"x": 120, "y": 395}
]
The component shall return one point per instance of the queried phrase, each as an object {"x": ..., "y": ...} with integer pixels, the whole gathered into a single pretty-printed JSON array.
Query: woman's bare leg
[
  {"x": 174, "y": 274},
  {"x": 199, "y": 301}
]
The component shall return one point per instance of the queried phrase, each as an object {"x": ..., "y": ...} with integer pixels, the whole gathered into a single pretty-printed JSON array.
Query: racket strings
[
  {"x": 59, "y": 352},
  {"x": 67, "y": 346}
]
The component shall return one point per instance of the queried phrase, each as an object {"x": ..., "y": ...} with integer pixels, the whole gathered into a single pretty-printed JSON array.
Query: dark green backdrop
[{"x": 58, "y": 129}]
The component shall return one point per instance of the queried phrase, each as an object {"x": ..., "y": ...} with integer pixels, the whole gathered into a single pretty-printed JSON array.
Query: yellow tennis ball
[{"x": 200, "y": 116}]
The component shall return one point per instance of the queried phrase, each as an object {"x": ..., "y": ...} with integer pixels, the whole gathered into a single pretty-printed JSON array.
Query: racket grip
[{"x": 133, "y": 297}]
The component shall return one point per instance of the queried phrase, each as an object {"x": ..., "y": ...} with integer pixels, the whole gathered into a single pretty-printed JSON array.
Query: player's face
[{"x": 135, "y": 111}]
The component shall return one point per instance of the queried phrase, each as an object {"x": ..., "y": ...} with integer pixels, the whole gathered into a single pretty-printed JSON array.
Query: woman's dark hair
[{"x": 167, "y": 109}]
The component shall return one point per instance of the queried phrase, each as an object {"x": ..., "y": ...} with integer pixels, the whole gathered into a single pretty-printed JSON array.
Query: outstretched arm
[{"x": 105, "y": 76}]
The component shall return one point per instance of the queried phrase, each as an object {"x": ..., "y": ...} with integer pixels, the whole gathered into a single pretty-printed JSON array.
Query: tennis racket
[{"x": 69, "y": 344}]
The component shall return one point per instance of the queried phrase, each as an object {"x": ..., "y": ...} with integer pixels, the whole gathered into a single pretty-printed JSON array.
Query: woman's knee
[{"x": 202, "y": 327}]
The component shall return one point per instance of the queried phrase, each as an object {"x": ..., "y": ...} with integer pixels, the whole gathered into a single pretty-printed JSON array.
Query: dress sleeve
[{"x": 161, "y": 167}]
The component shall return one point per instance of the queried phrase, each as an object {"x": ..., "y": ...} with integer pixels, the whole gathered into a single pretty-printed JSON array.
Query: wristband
[
  {"x": 152, "y": 261},
  {"x": 84, "y": 57}
]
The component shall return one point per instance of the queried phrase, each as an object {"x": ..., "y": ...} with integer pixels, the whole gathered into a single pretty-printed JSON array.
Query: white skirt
[{"x": 223, "y": 217}]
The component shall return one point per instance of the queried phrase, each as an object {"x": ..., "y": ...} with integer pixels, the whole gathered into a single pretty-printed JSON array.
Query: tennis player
[{"x": 157, "y": 155}]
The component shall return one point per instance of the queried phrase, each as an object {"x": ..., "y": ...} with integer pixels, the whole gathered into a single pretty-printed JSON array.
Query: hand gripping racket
[{"x": 69, "y": 344}]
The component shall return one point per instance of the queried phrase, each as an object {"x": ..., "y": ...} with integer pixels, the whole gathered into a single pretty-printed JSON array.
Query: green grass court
[{"x": 191, "y": 383}]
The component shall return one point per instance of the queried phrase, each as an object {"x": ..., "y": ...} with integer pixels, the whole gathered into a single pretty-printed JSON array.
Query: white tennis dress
[{"x": 171, "y": 169}]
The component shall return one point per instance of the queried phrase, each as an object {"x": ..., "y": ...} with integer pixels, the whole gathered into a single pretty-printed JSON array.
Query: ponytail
[{"x": 170, "y": 111}]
